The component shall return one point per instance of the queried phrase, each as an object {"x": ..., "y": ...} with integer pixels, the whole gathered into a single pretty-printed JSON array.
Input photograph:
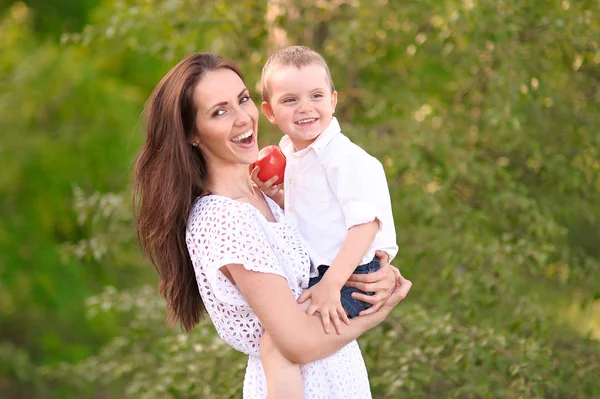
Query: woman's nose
[{"x": 243, "y": 118}]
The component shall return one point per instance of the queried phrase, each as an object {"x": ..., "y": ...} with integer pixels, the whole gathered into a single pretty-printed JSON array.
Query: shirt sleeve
[
  {"x": 223, "y": 234},
  {"x": 358, "y": 182}
]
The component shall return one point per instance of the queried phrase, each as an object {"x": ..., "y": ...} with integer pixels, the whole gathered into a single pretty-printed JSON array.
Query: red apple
[{"x": 271, "y": 162}]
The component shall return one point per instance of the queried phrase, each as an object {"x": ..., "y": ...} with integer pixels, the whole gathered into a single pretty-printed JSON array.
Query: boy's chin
[
  {"x": 304, "y": 136},
  {"x": 308, "y": 138}
]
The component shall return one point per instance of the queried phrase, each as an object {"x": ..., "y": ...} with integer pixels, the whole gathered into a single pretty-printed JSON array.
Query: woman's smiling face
[{"x": 226, "y": 119}]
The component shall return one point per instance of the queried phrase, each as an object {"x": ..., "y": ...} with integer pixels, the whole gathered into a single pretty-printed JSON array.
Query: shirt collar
[
  {"x": 325, "y": 138},
  {"x": 321, "y": 142}
]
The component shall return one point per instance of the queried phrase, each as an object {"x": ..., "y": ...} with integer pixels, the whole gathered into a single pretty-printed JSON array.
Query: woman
[{"x": 219, "y": 245}]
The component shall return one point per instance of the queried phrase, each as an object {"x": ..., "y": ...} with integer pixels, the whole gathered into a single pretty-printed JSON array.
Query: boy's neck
[{"x": 300, "y": 145}]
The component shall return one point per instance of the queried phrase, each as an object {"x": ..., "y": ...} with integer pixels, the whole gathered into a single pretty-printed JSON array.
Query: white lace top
[{"x": 223, "y": 231}]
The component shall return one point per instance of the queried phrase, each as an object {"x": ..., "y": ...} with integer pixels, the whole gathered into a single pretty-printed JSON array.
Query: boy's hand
[
  {"x": 326, "y": 301},
  {"x": 269, "y": 187}
]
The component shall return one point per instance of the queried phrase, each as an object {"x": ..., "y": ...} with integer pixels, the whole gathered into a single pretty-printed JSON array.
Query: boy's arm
[
  {"x": 358, "y": 182},
  {"x": 279, "y": 198},
  {"x": 355, "y": 245},
  {"x": 325, "y": 295}
]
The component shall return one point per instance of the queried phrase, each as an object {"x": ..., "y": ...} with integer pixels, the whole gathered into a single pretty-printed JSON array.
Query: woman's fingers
[
  {"x": 403, "y": 286},
  {"x": 369, "y": 277},
  {"x": 379, "y": 286},
  {"x": 392, "y": 278},
  {"x": 384, "y": 258},
  {"x": 370, "y": 299},
  {"x": 357, "y": 285},
  {"x": 372, "y": 309}
]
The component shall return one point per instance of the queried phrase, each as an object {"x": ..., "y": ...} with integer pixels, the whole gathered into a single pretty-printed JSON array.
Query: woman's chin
[{"x": 249, "y": 161}]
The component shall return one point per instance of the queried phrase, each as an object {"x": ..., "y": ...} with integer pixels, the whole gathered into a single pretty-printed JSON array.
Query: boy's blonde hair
[{"x": 297, "y": 56}]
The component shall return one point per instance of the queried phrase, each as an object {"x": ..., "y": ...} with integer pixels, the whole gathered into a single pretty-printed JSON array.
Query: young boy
[{"x": 335, "y": 192}]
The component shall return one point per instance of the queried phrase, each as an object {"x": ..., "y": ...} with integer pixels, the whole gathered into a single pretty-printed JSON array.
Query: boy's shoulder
[
  {"x": 343, "y": 150},
  {"x": 284, "y": 141},
  {"x": 286, "y": 145}
]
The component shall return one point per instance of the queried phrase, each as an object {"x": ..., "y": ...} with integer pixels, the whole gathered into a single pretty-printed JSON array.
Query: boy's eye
[
  {"x": 317, "y": 95},
  {"x": 288, "y": 100}
]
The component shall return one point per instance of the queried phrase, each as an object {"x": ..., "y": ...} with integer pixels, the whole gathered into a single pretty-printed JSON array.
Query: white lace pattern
[{"x": 223, "y": 231}]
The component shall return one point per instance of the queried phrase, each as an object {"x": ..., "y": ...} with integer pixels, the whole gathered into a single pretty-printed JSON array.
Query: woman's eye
[
  {"x": 219, "y": 112},
  {"x": 244, "y": 99}
]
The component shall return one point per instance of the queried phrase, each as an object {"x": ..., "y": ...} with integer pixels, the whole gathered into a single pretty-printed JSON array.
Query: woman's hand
[
  {"x": 400, "y": 292},
  {"x": 382, "y": 283}
]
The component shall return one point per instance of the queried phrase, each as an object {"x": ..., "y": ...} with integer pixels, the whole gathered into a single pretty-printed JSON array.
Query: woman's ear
[
  {"x": 194, "y": 139},
  {"x": 268, "y": 111}
]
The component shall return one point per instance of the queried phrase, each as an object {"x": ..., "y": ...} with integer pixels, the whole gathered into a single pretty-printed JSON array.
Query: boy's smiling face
[{"x": 301, "y": 102}]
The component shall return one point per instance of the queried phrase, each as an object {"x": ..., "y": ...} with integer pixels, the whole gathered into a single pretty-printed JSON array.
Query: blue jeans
[{"x": 351, "y": 305}]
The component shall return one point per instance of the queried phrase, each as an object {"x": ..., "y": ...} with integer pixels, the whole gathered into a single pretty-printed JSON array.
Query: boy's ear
[
  {"x": 333, "y": 100},
  {"x": 268, "y": 111}
]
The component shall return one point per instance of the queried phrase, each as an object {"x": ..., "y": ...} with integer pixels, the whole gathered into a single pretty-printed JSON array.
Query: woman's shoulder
[
  {"x": 217, "y": 206},
  {"x": 215, "y": 211}
]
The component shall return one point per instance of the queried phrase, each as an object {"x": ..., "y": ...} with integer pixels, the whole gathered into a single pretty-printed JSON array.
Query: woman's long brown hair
[{"x": 169, "y": 173}]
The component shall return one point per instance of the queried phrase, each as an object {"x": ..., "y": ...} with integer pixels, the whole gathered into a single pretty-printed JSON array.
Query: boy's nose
[{"x": 303, "y": 106}]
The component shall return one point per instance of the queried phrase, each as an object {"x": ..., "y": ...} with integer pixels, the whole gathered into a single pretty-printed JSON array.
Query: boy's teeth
[
  {"x": 303, "y": 121},
  {"x": 242, "y": 136}
]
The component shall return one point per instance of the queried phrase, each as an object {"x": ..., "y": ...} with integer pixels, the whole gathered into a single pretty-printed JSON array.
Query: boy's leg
[
  {"x": 284, "y": 380},
  {"x": 352, "y": 306}
]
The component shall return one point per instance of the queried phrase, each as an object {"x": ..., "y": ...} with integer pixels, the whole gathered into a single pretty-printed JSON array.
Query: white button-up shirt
[{"x": 332, "y": 185}]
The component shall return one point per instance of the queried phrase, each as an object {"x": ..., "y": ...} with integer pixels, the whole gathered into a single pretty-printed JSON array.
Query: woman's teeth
[{"x": 241, "y": 137}]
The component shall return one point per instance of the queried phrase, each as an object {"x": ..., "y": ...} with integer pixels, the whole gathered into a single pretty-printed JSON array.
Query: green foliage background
[{"x": 485, "y": 114}]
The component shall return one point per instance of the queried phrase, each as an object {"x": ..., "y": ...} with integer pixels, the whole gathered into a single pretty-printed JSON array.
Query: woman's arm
[{"x": 299, "y": 337}]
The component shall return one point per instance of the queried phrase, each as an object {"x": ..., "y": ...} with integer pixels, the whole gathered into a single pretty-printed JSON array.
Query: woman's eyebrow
[{"x": 227, "y": 102}]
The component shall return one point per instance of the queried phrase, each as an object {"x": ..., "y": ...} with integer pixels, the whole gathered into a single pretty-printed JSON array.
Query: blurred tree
[
  {"x": 53, "y": 17},
  {"x": 65, "y": 122},
  {"x": 484, "y": 114}
]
